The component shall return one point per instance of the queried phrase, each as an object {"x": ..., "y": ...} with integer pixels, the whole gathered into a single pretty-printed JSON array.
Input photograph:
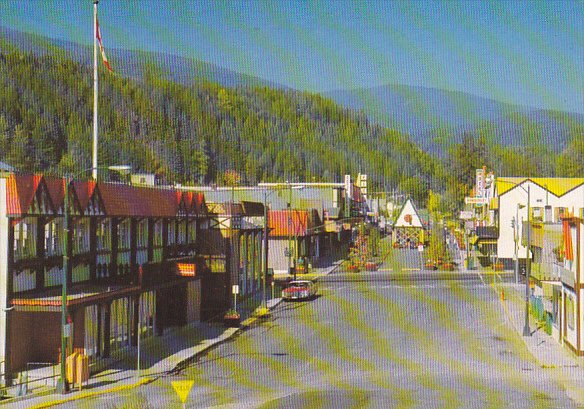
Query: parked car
[{"x": 299, "y": 290}]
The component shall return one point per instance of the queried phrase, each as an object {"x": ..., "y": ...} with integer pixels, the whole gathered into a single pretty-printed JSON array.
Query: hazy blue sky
[{"x": 528, "y": 53}]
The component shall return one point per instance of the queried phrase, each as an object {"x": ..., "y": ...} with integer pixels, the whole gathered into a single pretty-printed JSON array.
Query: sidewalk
[
  {"x": 566, "y": 368},
  {"x": 158, "y": 356},
  {"x": 315, "y": 273}
]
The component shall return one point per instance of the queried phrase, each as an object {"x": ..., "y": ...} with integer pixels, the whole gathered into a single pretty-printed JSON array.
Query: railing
[{"x": 22, "y": 385}]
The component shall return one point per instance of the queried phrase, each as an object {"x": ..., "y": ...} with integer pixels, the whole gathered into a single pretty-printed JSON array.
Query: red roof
[
  {"x": 118, "y": 199},
  {"x": 56, "y": 188},
  {"x": 198, "y": 203},
  {"x": 20, "y": 191},
  {"x": 124, "y": 200},
  {"x": 285, "y": 222},
  {"x": 84, "y": 191}
]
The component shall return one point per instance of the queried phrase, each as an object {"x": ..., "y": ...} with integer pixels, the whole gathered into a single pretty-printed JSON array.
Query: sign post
[
  {"x": 235, "y": 291},
  {"x": 421, "y": 250}
]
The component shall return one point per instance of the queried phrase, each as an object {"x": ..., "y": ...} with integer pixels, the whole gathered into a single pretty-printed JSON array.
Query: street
[{"x": 392, "y": 338}]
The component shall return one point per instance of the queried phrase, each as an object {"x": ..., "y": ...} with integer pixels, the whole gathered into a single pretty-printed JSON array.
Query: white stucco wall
[{"x": 508, "y": 209}]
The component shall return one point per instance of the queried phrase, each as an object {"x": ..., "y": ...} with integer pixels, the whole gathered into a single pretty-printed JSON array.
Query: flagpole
[{"x": 94, "y": 163}]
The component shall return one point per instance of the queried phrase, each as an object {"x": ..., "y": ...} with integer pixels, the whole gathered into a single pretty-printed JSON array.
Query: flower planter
[
  {"x": 448, "y": 266},
  {"x": 498, "y": 267},
  {"x": 232, "y": 320},
  {"x": 353, "y": 269},
  {"x": 371, "y": 266}
]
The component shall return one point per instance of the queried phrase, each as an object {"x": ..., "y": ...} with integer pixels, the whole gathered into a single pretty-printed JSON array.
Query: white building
[{"x": 550, "y": 199}]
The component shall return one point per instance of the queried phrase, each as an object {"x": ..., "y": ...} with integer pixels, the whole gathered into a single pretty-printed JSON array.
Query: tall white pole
[{"x": 94, "y": 163}]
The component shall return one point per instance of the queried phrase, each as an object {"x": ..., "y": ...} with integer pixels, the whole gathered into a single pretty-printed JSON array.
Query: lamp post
[
  {"x": 62, "y": 385},
  {"x": 516, "y": 237},
  {"x": 526, "y": 330}
]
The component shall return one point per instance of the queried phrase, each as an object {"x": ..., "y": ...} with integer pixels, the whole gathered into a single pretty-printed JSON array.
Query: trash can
[{"x": 70, "y": 366}]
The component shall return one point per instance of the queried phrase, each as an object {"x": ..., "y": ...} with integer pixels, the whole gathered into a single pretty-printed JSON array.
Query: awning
[{"x": 486, "y": 241}]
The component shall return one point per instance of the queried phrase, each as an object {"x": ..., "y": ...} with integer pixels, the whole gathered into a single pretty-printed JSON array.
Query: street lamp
[
  {"x": 516, "y": 239},
  {"x": 62, "y": 385}
]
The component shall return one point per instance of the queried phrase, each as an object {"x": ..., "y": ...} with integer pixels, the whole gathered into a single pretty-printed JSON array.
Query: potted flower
[
  {"x": 371, "y": 266},
  {"x": 231, "y": 318},
  {"x": 430, "y": 265}
]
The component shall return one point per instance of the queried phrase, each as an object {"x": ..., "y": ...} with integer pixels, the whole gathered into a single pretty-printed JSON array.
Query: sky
[{"x": 522, "y": 52}]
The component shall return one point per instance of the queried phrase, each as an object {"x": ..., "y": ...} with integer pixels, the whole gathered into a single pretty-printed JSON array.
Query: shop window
[
  {"x": 537, "y": 213},
  {"x": 570, "y": 312},
  {"x": 103, "y": 233},
  {"x": 158, "y": 233},
  {"x": 560, "y": 212}
]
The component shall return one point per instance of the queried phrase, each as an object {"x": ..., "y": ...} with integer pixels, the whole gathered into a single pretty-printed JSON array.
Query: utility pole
[
  {"x": 265, "y": 245},
  {"x": 526, "y": 330},
  {"x": 94, "y": 169},
  {"x": 289, "y": 229}
]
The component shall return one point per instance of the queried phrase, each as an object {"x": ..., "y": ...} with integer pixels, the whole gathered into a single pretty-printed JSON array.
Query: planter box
[
  {"x": 448, "y": 266},
  {"x": 353, "y": 269},
  {"x": 371, "y": 266},
  {"x": 232, "y": 321},
  {"x": 498, "y": 267},
  {"x": 430, "y": 266}
]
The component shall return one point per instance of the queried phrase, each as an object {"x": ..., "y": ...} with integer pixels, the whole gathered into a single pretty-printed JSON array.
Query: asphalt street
[{"x": 398, "y": 337}]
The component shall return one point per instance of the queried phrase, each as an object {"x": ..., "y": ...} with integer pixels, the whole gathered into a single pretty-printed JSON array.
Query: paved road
[{"x": 392, "y": 338}]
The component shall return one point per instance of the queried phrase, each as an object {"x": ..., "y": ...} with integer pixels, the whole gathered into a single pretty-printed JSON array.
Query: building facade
[{"x": 129, "y": 249}]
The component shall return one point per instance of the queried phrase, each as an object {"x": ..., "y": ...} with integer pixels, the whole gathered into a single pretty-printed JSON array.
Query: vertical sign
[{"x": 480, "y": 183}]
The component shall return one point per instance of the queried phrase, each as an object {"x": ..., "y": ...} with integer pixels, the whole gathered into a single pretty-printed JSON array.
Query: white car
[{"x": 299, "y": 290}]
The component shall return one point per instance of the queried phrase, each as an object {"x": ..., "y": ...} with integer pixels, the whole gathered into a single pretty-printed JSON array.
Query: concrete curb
[
  {"x": 201, "y": 349},
  {"x": 91, "y": 394},
  {"x": 152, "y": 373}
]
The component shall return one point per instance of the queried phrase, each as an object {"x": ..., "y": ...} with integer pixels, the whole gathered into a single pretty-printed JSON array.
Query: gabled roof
[
  {"x": 84, "y": 191},
  {"x": 556, "y": 186},
  {"x": 198, "y": 205},
  {"x": 56, "y": 188},
  {"x": 127, "y": 201},
  {"x": 414, "y": 219},
  {"x": 20, "y": 193},
  {"x": 278, "y": 221}
]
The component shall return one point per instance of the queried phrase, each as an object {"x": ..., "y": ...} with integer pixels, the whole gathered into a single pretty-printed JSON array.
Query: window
[
  {"x": 171, "y": 232},
  {"x": 182, "y": 231},
  {"x": 124, "y": 235},
  {"x": 103, "y": 235},
  {"x": 192, "y": 231},
  {"x": 158, "y": 233},
  {"x": 53, "y": 238},
  {"x": 559, "y": 212},
  {"x": 81, "y": 236},
  {"x": 537, "y": 213},
  {"x": 24, "y": 240},
  {"x": 142, "y": 234},
  {"x": 570, "y": 311}
]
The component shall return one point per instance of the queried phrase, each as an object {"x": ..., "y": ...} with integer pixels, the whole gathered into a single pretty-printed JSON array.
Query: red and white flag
[{"x": 98, "y": 36}]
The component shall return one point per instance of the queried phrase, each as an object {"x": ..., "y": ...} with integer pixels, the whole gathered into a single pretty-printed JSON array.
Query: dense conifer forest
[{"x": 195, "y": 133}]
